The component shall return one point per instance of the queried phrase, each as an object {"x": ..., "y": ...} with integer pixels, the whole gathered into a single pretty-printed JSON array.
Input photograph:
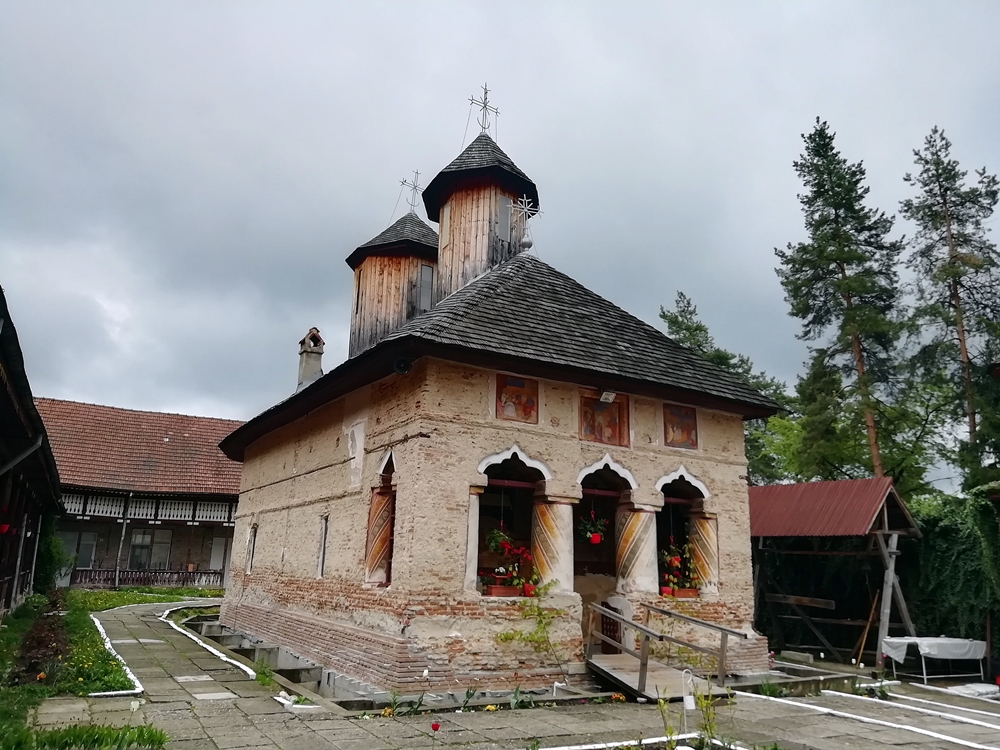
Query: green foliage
[
  {"x": 178, "y": 615},
  {"x": 686, "y": 328},
  {"x": 89, "y": 668},
  {"x": 83, "y": 738},
  {"x": 51, "y": 557},
  {"x": 951, "y": 577},
  {"x": 265, "y": 675},
  {"x": 182, "y": 591},
  {"x": 100, "y": 600},
  {"x": 539, "y": 637},
  {"x": 843, "y": 282}
]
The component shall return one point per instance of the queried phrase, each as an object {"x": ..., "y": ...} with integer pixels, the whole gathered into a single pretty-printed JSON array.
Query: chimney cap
[{"x": 312, "y": 340}]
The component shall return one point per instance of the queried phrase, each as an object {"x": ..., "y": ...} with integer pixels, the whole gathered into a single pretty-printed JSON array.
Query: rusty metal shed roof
[{"x": 850, "y": 507}]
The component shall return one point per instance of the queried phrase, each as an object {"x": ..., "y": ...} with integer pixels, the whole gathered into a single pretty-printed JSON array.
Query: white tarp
[{"x": 936, "y": 648}]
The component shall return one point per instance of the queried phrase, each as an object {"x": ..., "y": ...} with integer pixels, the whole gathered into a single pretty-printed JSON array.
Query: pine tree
[
  {"x": 686, "y": 328},
  {"x": 842, "y": 283},
  {"x": 957, "y": 267}
]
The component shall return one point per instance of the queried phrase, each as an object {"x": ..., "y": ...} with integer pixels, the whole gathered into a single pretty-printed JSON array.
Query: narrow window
[
  {"x": 357, "y": 294},
  {"x": 324, "y": 527},
  {"x": 503, "y": 221},
  {"x": 445, "y": 223},
  {"x": 426, "y": 282},
  {"x": 159, "y": 558},
  {"x": 142, "y": 545},
  {"x": 251, "y": 545}
]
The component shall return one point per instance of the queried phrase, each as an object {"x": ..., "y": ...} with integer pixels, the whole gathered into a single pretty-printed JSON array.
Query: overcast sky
[{"x": 180, "y": 182}]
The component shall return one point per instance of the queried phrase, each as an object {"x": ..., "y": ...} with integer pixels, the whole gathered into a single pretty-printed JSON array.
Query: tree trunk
[
  {"x": 963, "y": 346},
  {"x": 866, "y": 400}
]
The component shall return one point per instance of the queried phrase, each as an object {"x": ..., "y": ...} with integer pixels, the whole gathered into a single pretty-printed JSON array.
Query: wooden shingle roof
[
  {"x": 105, "y": 447},
  {"x": 528, "y": 309},
  {"x": 406, "y": 236},
  {"x": 527, "y": 317},
  {"x": 481, "y": 160}
]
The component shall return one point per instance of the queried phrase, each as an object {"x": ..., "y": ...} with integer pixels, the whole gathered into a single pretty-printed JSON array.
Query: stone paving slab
[{"x": 225, "y": 710}]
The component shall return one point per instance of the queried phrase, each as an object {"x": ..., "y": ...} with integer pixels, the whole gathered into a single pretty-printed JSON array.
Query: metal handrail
[
  {"x": 626, "y": 621},
  {"x": 696, "y": 621},
  {"x": 642, "y": 655}
]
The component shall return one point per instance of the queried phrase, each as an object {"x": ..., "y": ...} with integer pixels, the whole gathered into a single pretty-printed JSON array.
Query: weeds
[
  {"x": 265, "y": 675},
  {"x": 414, "y": 706},
  {"x": 470, "y": 693},
  {"x": 539, "y": 637},
  {"x": 84, "y": 738}
]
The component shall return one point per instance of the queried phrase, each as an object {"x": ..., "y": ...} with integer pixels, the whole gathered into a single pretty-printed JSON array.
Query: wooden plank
[
  {"x": 887, "y": 587},
  {"x": 897, "y": 592},
  {"x": 816, "y": 631},
  {"x": 661, "y": 680},
  {"x": 802, "y": 601}
]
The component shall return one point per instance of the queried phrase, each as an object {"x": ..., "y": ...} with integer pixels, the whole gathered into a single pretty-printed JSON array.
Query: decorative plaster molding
[
  {"x": 691, "y": 478},
  {"x": 497, "y": 458},
  {"x": 617, "y": 468}
]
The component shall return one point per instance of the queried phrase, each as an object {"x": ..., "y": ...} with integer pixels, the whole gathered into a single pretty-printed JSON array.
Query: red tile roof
[
  {"x": 104, "y": 447},
  {"x": 843, "y": 508}
]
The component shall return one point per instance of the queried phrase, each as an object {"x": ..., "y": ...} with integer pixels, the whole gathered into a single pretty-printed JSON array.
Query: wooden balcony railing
[{"x": 105, "y": 578}]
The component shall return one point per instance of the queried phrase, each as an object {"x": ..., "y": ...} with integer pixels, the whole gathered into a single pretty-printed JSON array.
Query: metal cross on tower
[
  {"x": 522, "y": 210},
  {"x": 485, "y": 109},
  {"x": 415, "y": 191}
]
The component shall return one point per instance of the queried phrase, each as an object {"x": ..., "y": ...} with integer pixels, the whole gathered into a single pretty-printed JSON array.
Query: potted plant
[
  {"x": 530, "y": 583},
  {"x": 507, "y": 578},
  {"x": 593, "y": 529},
  {"x": 680, "y": 578}
]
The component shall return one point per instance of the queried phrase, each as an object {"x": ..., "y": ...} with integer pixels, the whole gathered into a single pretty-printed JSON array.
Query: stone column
[
  {"x": 704, "y": 538},
  {"x": 635, "y": 548},
  {"x": 552, "y": 541}
]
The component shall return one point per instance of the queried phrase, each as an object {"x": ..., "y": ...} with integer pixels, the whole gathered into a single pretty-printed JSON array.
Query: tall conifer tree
[
  {"x": 957, "y": 266},
  {"x": 842, "y": 282}
]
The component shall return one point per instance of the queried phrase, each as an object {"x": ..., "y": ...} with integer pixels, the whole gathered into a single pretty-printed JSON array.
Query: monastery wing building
[{"x": 498, "y": 430}]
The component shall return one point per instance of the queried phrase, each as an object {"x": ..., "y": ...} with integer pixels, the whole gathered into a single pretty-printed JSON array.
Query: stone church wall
[{"x": 439, "y": 424}]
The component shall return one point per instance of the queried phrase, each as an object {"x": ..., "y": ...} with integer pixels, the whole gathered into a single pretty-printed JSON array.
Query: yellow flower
[
  {"x": 491, "y": 707},
  {"x": 387, "y": 711},
  {"x": 40, "y": 676},
  {"x": 79, "y": 679}
]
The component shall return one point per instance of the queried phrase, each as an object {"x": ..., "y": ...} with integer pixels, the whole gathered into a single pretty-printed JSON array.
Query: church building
[{"x": 497, "y": 431}]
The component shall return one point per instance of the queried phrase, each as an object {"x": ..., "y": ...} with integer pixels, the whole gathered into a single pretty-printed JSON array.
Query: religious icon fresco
[
  {"x": 517, "y": 399},
  {"x": 602, "y": 422},
  {"x": 680, "y": 426}
]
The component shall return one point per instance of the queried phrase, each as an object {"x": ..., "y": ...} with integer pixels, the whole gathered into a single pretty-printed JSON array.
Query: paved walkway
[{"x": 204, "y": 703}]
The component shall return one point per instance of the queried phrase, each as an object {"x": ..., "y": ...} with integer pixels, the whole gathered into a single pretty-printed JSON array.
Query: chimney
[{"x": 310, "y": 359}]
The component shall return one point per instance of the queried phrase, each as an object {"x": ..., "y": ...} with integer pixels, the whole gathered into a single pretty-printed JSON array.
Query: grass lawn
[{"x": 43, "y": 653}]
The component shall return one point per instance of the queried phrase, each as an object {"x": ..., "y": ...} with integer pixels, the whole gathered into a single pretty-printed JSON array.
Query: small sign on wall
[
  {"x": 680, "y": 426},
  {"x": 517, "y": 399}
]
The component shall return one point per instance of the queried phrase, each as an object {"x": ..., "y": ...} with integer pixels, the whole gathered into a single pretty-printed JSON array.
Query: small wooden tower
[
  {"x": 393, "y": 280},
  {"x": 473, "y": 200}
]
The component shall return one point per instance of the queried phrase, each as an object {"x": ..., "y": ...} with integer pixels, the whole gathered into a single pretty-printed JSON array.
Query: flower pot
[
  {"x": 494, "y": 590},
  {"x": 686, "y": 593},
  {"x": 666, "y": 591},
  {"x": 528, "y": 589},
  {"x": 595, "y": 538}
]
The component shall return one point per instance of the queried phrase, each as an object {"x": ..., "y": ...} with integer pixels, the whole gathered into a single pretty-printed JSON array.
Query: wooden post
[
  {"x": 989, "y": 645},
  {"x": 643, "y": 663},
  {"x": 721, "y": 667},
  {"x": 897, "y": 592},
  {"x": 888, "y": 585}
]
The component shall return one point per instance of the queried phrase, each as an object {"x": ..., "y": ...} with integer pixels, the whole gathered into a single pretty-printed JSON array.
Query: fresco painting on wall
[
  {"x": 604, "y": 422},
  {"x": 517, "y": 399},
  {"x": 680, "y": 426}
]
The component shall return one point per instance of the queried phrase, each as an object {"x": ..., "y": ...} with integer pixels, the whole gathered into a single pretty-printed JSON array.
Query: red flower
[{"x": 435, "y": 726}]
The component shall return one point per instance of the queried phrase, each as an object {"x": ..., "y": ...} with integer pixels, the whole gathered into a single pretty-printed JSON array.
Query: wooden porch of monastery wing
[
  {"x": 801, "y": 516},
  {"x": 152, "y": 512},
  {"x": 625, "y": 659}
]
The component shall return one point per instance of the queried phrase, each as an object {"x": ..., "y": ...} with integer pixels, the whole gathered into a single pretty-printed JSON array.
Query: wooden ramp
[
  {"x": 634, "y": 671},
  {"x": 661, "y": 681}
]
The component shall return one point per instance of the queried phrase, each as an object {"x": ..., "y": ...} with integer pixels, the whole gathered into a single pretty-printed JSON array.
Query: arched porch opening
[
  {"x": 594, "y": 534},
  {"x": 687, "y": 537},
  {"x": 505, "y": 511}
]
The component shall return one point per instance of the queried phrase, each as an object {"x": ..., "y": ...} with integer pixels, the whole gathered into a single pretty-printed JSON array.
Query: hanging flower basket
[{"x": 593, "y": 529}]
